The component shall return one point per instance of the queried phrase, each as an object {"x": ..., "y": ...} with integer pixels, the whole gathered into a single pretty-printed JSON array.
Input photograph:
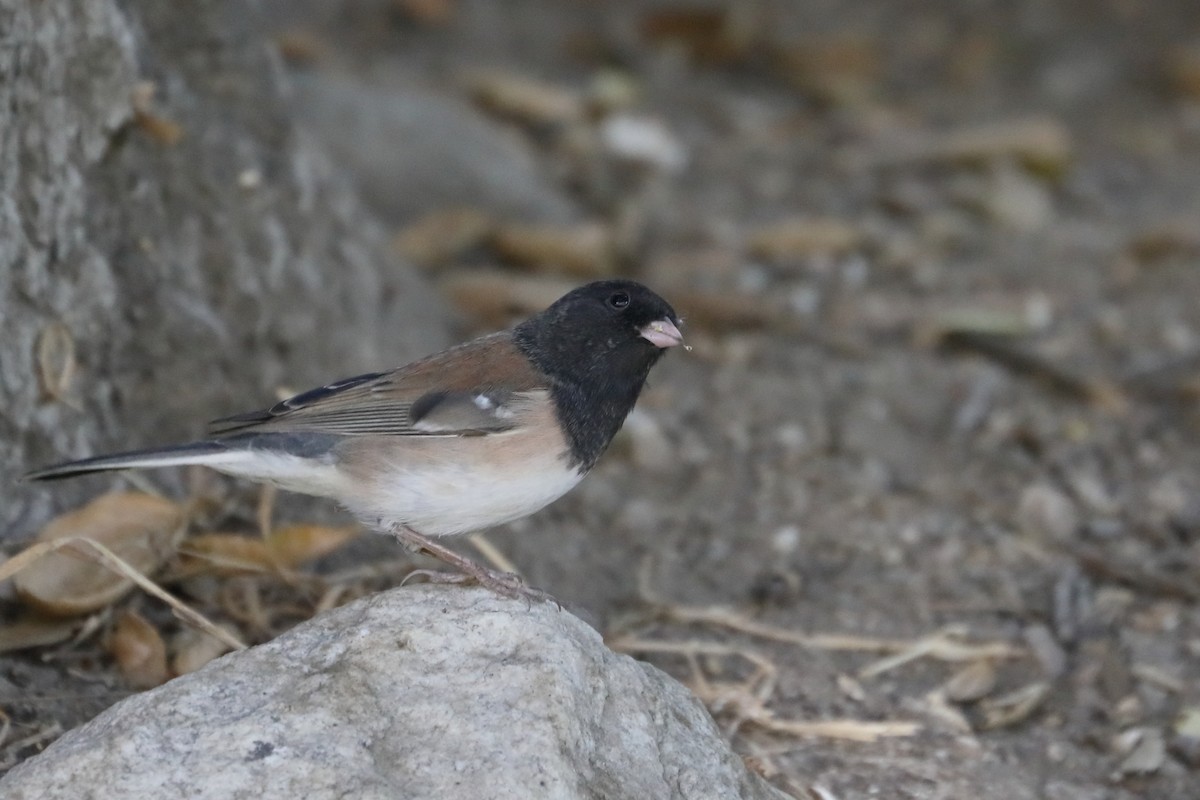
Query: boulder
[
  {"x": 173, "y": 247},
  {"x": 413, "y": 150},
  {"x": 420, "y": 692}
]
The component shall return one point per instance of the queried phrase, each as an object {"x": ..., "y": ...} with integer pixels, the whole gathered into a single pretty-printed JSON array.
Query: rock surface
[
  {"x": 425, "y": 692},
  {"x": 413, "y": 150},
  {"x": 196, "y": 248}
]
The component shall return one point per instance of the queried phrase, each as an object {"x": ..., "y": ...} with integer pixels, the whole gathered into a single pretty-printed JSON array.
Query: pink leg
[{"x": 503, "y": 583}]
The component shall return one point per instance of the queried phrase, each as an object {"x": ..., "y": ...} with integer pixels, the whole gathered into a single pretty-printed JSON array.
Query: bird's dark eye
[{"x": 618, "y": 300}]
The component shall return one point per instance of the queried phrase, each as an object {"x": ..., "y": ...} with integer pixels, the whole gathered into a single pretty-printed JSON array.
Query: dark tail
[{"x": 210, "y": 453}]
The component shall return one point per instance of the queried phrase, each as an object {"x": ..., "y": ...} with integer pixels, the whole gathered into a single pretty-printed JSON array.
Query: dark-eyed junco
[{"x": 475, "y": 436}]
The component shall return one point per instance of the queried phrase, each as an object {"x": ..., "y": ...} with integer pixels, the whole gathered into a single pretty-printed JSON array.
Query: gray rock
[
  {"x": 413, "y": 151},
  {"x": 194, "y": 278},
  {"x": 424, "y": 692}
]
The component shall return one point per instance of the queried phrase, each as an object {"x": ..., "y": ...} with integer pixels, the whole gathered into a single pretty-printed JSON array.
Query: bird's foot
[{"x": 506, "y": 584}]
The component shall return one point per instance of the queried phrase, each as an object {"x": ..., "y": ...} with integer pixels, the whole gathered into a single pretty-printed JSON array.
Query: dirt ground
[{"x": 940, "y": 263}]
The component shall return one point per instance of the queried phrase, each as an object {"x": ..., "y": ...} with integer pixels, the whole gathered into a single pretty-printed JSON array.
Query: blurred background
[{"x": 938, "y": 262}]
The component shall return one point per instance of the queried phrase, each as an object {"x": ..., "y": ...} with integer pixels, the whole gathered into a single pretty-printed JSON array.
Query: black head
[
  {"x": 597, "y": 344},
  {"x": 614, "y": 328}
]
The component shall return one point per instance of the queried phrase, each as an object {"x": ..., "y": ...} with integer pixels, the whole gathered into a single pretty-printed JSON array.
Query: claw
[
  {"x": 506, "y": 584},
  {"x": 434, "y": 576}
]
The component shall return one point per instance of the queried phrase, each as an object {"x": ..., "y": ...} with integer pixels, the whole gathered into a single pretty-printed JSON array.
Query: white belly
[{"x": 452, "y": 499}]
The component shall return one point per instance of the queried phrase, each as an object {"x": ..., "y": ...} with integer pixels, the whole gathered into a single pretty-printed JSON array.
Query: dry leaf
[
  {"x": 1183, "y": 70},
  {"x": 586, "y": 250},
  {"x": 442, "y": 236},
  {"x": 935, "y": 705},
  {"x": 971, "y": 682},
  {"x": 842, "y": 70},
  {"x": 139, "y": 651},
  {"x": 285, "y": 548},
  {"x": 1172, "y": 238},
  {"x": 299, "y": 46},
  {"x": 800, "y": 238},
  {"x": 428, "y": 12},
  {"x": 158, "y": 127},
  {"x": 707, "y": 35},
  {"x": 223, "y": 554},
  {"x": 1042, "y": 144},
  {"x": 193, "y": 649},
  {"x": 495, "y": 298},
  {"x": 294, "y": 545},
  {"x": 55, "y": 360},
  {"x": 725, "y": 311},
  {"x": 524, "y": 98},
  {"x": 36, "y": 552},
  {"x": 141, "y": 529},
  {"x": 33, "y": 630},
  {"x": 1014, "y": 707}
]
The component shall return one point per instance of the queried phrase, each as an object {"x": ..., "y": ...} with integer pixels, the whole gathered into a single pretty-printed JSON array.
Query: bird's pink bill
[{"x": 663, "y": 333}]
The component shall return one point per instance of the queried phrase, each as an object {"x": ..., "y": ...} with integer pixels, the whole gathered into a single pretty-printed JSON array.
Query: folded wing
[{"x": 475, "y": 389}]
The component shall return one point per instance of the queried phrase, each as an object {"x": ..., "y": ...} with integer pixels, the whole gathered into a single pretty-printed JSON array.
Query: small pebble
[
  {"x": 644, "y": 140},
  {"x": 1047, "y": 512},
  {"x": 1185, "y": 736},
  {"x": 792, "y": 437},
  {"x": 1146, "y": 751},
  {"x": 1018, "y": 202},
  {"x": 785, "y": 540}
]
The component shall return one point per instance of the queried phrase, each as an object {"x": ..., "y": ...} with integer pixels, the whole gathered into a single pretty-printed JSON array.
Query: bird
[{"x": 475, "y": 436}]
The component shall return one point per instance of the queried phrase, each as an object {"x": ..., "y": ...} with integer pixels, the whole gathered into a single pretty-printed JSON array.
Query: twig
[
  {"x": 1100, "y": 565},
  {"x": 112, "y": 561},
  {"x": 850, "y": 730},
  {"x": 747, "y": 701},
  {"x": 942, "y": 645},
  {"x": 492, "y": 553},
  {"x": 1102, "y": 392},
  {"x": 10, "y": 754}
]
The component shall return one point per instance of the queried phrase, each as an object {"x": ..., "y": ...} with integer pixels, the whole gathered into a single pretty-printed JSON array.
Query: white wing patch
[
  {"x": 463, "y": 413},
  {"x": 498, "y": 410}
]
